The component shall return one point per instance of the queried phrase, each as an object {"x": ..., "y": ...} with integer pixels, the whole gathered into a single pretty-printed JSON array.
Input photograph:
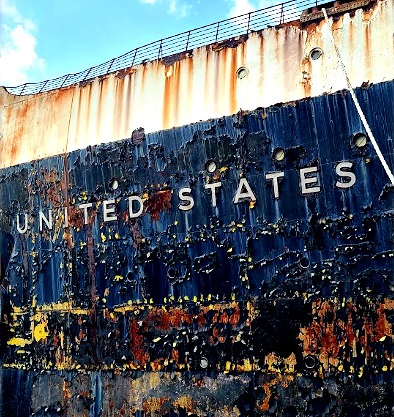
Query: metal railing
[{"x": 176, "y": 44}]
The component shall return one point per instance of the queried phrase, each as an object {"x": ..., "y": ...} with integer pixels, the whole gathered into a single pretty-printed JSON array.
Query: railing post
[
  {"x": 84, "y": 78},
  {"x": 46, "y": 82},
  {"x": 160, "y": 49},
  {"x": 247, "y": 30},
  {"x": 65, "y": 79},
  {"x": 110, "y": 65},
  {"x": 217, "y": 32},
  {"x": 187, "y": 42},
  {"x": 282, "y": 15},
  {"x": 23, "y": 89},
  {"x": 135, "y": 54}
]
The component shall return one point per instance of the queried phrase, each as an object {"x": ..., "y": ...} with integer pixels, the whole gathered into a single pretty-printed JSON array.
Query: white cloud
[
  {"x": 17, "y": 48},
  {"x": 175, "y": 7},
  {"x": 180, "y": 9},
  {"x": 240, "y": 7}
]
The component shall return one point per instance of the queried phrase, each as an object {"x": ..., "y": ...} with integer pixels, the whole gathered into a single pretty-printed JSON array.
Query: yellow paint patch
[
  {"x": 19, "y": 341},
  {"x": 40, "y": 331},
  {"x": 185, "y": 402}
]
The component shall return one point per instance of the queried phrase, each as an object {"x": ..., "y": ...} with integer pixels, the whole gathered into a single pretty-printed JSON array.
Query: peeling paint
[
  {"x": 144, "y": 97},
  {"x": 238, "y": 266}
]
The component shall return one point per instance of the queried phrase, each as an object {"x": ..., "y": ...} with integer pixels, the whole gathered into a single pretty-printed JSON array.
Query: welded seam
[{"x": 357, "y": 104}]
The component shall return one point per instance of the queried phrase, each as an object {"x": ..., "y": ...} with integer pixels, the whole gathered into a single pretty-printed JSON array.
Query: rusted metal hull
[
  {"x": 201, "y": 84},
  {"x": 258, "y": 296}
]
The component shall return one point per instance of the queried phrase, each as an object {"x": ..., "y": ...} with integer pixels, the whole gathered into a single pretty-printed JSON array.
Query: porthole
[
  {"x": 304, "y": 262},
  {"x": 114, "y": 184},
  {"x": 172, "y": 274},
  {"x": 315, "y": 54},
  {"x": 210, "y": 166},
  {"x": 242, "y": 72},
  {"x": 204, "y": 362},
  {"x": 278, "y": 154},
  {"x": 360, "y": 140},
  {"x": 309, "y": 362}
]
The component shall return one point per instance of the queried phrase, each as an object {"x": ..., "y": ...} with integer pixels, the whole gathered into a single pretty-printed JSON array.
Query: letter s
[
  {"x": 343, "y": 170},
  {"x": 184, "y": 195}
]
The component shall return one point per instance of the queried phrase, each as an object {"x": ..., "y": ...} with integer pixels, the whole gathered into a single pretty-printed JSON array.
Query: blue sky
[{"x": 43, "y": 39}]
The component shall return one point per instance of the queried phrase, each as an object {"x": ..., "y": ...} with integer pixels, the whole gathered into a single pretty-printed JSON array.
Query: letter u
[{"x": 18, "y": 226}]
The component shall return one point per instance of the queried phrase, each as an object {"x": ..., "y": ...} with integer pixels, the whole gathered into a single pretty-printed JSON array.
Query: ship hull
[{"x": 237, "y": 266}]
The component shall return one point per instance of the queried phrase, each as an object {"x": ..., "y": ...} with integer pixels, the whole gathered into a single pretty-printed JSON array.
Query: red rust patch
[{"x": 157, "y": 202}]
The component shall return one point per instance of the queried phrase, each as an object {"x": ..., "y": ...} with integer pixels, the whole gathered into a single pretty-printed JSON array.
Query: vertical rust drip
[
  {"x": 26, "y": 273},
  {"x": 92, "y": 275},
  {"x": 66, "y": 200}
]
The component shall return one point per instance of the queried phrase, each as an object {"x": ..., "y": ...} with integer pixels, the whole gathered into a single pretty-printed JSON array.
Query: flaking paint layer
[
  {"x": 201, "y": 85},
  {"x": 265, "y": 307}
]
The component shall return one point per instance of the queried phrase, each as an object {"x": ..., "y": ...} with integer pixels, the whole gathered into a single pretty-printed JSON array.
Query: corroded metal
[
  {"x": 261, "y": 302},
  {"x": 203, "y": 84},
  {"x": 338, "y": 7},
  {"x": 172, "y": 46},
  {"x": 237, "y": 266}
]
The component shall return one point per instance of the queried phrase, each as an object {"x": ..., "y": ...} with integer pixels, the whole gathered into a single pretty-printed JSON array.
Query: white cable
[{"x": 357, "y": 104}]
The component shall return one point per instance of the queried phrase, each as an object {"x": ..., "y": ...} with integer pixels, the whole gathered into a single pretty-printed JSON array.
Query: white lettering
[
  {"x": 85, "y": 207},
  {"x": 43, "y": 219},
  {"x": 243, "y": 183},
  {"x": 138, "y": 213},
  {"x": 343, "y": 170},
  {"x": 274, "y": 177},
  {"x": 184, "y": 195},
  {"x": 109, "y": 210},
  {"x": 307, "y": 182},
  {"x": 212, "y": 186},
  {"x": 18, "y": 226}
]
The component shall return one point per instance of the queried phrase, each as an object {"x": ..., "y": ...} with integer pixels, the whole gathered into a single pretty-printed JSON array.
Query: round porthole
[
  {"x": 114, "y": 184},
  {"x": 315, "y": 54},
  {"x": 309, "y": 362},
  {"x": 242, "y": 72},
  {"x": 304, "y": 262},
  {"x": 172, "y": 274},
  {"x": 210, "y": 166},
  {"x": 278, "y": 154},
  {"x": 204, "y": 362},
  {"x": 360, "y": 140}
]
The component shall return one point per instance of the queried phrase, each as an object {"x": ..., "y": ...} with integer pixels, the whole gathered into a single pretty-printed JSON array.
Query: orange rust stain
[
  {"x": 138, "y": 348},
  {"x": 165, "y": 320},
  {"x": 155, "y": 405},
  {"x": 321, "y": 337},
  {"x": 327, "y": 336},
  {"x": 201, "y": 320},
  {"x": 383, "y": 327},
  {"x": 267, "y": 387},
  {"x": 230, "y": 55},
  {"x": 235, "y": 316},
  {"x": 306, "y": 69},
  {"x": 267, "y": 391},
  {"x": 157, "y": 202},
  {"x": 172, "y": 94},
  {"x": 185, "y": 402},
  {"x": 75, "y": 217},
  {"x": 175, "y": 355},
  {"x": 351, "y": 337}
]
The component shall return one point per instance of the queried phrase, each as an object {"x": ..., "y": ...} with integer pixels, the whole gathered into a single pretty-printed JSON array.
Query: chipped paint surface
[
  {"x": 201, "y": 85},
  {"x": 237, "y": 266},
  {"x": 270, "y": 305}
]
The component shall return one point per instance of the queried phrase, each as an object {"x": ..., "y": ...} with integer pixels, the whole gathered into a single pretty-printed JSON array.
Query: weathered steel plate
[{"x": 137, "y": 285}]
